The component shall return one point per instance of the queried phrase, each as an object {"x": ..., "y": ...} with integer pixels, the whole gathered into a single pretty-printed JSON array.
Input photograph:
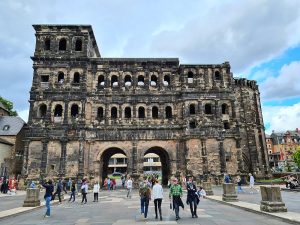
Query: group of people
[
  {"x": 227, "y": 179},
  {"x": 110, "y": 184},
  {"x": 291, "y": 182},
  {"x": 7, "y": 185},
  {"x": 175, "y": 195}
]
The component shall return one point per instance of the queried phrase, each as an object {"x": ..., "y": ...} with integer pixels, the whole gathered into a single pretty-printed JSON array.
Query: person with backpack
[
  {"x": 48, "y": 196},
  {"x": 84, "y": 191},
  {"x": 145, "y": 196},
  {"x": 192, "y": 197},
  {"x": 59, "y": 188}
]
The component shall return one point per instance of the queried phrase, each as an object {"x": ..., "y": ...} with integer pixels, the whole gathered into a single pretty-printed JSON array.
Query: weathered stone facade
[{"x": 85, "y": 108}]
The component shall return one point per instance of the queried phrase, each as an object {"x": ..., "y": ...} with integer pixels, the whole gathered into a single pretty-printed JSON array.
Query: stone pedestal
[
  {"x": 229, "y": 194},
  {"x": 32, "y": 197},
  {"x": 135, "y": 180},
  {"x": 271, "y": 200},
  {"x": 207, "y": 187}
]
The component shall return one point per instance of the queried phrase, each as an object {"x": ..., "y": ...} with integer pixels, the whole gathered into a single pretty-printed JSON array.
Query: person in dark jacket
[
  {"x": 59, "y": 188},
  {"x": 48, "y": 196},
  {"x": 192, "y": 197},
  {"x": 73, "y": 190}
]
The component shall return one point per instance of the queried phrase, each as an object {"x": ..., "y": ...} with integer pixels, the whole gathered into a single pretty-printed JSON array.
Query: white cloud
[
  {"x": 282, "y": 118},
  {"x": 286, "y": 85},
  {"x": 24, "y": 114}
]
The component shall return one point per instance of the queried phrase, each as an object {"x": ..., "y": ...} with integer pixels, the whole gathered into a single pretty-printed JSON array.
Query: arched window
[
  {"x": 226, "y": 125},
  {"x": 217, "y": 75},
  {"x": 60, "y": 77},
  {"x": 224, "y": 109},
  {"x": 47, "y": 44},
  {"x": 42, "y": 110},
  {"x": 208, "y": 109},
  {"x": 154, "y": 112},
  {"x": 58, "y": 111},
  {"x": 141, "y": 80},
  {"x": 127, "y": 112},
  {"x": 141, "y": 112},
  {"x": 76, "y": 79},
  {"x": 78, "y": 45},
  {"x": 169, "y": 112},
  {"x": 192, "y": 109},
  {"x": 101, "y": 81},
  {"x": 74, "y": 110},
  {"x": 62, "y": 45},
  {"x": 100, "y": 113},
  {"x": 127, "y": 80},
  {"x": 153, "y": 80},
  {"x": 190, "y": 77},
  {"x": 114, "y": 113},
  {"x": 167, "y": 80},
  {"x": 192, "y": 124},
  {"x": 114, "y": 81}
]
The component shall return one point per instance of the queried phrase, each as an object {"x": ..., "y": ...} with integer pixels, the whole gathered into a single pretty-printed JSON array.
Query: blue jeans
[
  {"x": 144, "y": 205},
  {"x": 48, "y": 200},
  {"x": 239, "y": 188}
]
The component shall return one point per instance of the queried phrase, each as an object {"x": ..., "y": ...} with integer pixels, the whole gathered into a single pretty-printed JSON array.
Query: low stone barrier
[
  {"x": 271, "y": 200},
  {"x": 32, "y": 197},
  {"x": 229, "y": 193},
  {"x": 207, "y": 187}
]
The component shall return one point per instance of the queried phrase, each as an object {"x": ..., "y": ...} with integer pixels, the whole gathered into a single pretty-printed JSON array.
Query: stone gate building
[{"x": 84, "y": 108}]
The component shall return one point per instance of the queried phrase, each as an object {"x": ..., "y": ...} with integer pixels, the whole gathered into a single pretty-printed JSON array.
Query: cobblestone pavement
[
  {"x": 114, "y": 208},
  {"x": 291, "y": 199},
  {"x": 11, "y": 201}
]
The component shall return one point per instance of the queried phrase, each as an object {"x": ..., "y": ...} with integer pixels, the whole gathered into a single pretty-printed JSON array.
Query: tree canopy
[
  {"x": 9, "y": 106},
  {"x": 296, "y": 157}
]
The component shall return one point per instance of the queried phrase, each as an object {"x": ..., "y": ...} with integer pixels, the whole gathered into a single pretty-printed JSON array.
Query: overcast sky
[{"x": 260, "y": 39}]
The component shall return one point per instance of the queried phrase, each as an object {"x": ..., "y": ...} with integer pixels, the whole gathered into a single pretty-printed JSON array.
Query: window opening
[
  {"x": 114, "y": 112},
  {"x": 154, "y": 112},
  {"x": 127, "y": 112},
  {"x": 76, "y": 79},
  {"x": 192, "y": 109},
  {"x": 168, "y": 112},
  {"x": 58, "y": 111},
  {"x": 208, "y": 109},
  {"x": 141, "y": 112},
  {"x": 78, "y": 45},
  {"x": 47, "y": 45},
  {"x": 62, "y": 45},
  {"x": 74, "y": 110}
]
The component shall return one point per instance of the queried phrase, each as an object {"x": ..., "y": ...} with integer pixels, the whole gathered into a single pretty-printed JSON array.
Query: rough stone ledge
[{"x": 289, "y": 217}]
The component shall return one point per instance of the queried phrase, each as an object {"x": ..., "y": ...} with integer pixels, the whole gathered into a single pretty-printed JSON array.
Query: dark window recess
[
  {"x": 167, "y": 80},
  {"x": 217, "y": 75},
  {"x": 141, "y": 112},
  {"x": 44, "y": 78},
  {"x": 100, "y": 113},
  {"x": 52, "y": 167},
  {"x": 78, "y": 45},
  {"x": 169, "y": 112},
  {"x": 6, "y": 127},
  {"x": 114, "y": 113},
  {"x": 192, "y": 109},
  {"x": 224, "y": 109},
  {"x": 58, "y": 111},
  {"x": 47, "y": 45},
  {"x": 114, "y": 81},
  {"x": 42, "y": 110},
  {"x": 153, "y": 80},
  {"x": 101, "y": 80},
  {"x": 60, "y": 77},
  {"x": 190, "y": 77},
  {"x": 154, "y": 112},
  {"x": 62, "y": 45},
  {"x": 208, "y": 109},
  {"x": 226, "y": 126},
  {"x": 140, "y": 78},
  {"x": 127, "y": 78},
  {"x": 76, "y": 79},
  {"x": 127, "y": 112},
  {"x": 192, "y": 124},
  {"x": 74, "y": 110}
]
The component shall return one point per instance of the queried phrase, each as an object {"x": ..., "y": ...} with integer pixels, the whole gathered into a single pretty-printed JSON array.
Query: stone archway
[{"x": 165, "y": 162}]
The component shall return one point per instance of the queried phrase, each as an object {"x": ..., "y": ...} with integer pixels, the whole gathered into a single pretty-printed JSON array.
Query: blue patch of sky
[
  {"x": 274, "y": 65},
  {"x": 283, "y": 102}
]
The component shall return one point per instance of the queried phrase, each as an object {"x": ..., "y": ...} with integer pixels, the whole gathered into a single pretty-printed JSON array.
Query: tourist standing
[
  {"x": 123, "y": 181},
  {"x": 58, "y": 191},
  {"x": 96, "y": 189},
  {"x": 84, "y": 191},
  {"x": 192, "y": 197},
  {"x": 239, "y": 184},
  {"x": 129, "y": 187},
  {"x": 157, "y": 196},
  {"x": 108, "y": 183},
  {"x": 73, "y": 190},
  {"x": 48, "y": 196},
  {"x": 226, "y": 178},
  {"x": 145, "y": 195},
  {"x": 176, "y": 194}
]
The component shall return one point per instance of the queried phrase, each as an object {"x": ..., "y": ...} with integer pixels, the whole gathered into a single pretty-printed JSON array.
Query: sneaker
[
  {"x": 196, "y": 216},
  {"x": 160, "y": 218},
  {"x": 46, "y": 216}
]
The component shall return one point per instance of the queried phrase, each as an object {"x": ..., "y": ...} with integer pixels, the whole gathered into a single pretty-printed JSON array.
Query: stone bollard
[
  {"x": 271, "y": 200},
  {"x": 207, "y": 187},
  {"x": 32, "y": 197},
  {"x": 229, "y": 194}
]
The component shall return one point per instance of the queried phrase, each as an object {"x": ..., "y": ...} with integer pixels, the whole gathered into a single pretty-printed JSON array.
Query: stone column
[
  {"x": 271, "y": 200},
  {"x": 32, "y": 197},
  {"x": 66, "y": 112},
  {"x": 207, "y": 187},
  {"x": 229, "y": 194},
  {"x": 62, "y": 165},
  {"x": 44, "y": 158},
  {"x": 81, "y": 158},
  {"x": 222, "y": 156},
  {"x": 25, "y": 159}
]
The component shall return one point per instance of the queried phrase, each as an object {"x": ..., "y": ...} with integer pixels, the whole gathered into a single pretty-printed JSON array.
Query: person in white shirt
[
  {"x": 251, "y": 181},
  {"x": 157, "y": 196},
  {"x": 84, "y": 191},
  {"x": 96, "y": 191},
  {"x": 129, "y": 187}
]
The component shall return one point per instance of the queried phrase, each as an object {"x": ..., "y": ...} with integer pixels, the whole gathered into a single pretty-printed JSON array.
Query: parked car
[{"x": 117, "y": 174}]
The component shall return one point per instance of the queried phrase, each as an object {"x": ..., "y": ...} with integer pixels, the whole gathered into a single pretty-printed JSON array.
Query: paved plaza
[{"x": 114, "y": 208}]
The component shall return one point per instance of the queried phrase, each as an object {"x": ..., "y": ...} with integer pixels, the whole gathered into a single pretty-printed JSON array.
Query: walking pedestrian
[
  {"x": 96, "y": 189},
  {"x": 176, "y": 194},
  {"x": 48, "y": 196},
  {"x": 58, "y": 191},
  {"x": 123, "y": 181},
  {"x": 157, "y": 196},
  {"x": 145, "y": 196},
  {"x": 84, "y": 191},
  {"x": 129, "y": 187},
  {"x": 251, "y": 181},
  {"x": 73, "y": 190},
  {"x": 192, "y": 197},
  {"x": 108, "y": 183},
  {"x": 239, "y": 184}
]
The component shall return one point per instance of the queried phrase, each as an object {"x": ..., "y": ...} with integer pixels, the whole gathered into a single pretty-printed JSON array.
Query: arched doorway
[
  {"x": 150, "y": 160},
  {"x": 113, "y": 162}
]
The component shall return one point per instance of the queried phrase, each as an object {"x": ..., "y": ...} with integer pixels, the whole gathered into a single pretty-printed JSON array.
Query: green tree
[
  {"x": 296, "y": 157},
  {"x": 9, "y": 106}
]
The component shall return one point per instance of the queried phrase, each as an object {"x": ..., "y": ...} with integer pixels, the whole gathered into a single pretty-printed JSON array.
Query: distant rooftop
[{"x": 10, "y": 125}]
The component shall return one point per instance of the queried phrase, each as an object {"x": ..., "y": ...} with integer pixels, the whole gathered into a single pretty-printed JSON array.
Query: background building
[{"x": 85, "y": 108}]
